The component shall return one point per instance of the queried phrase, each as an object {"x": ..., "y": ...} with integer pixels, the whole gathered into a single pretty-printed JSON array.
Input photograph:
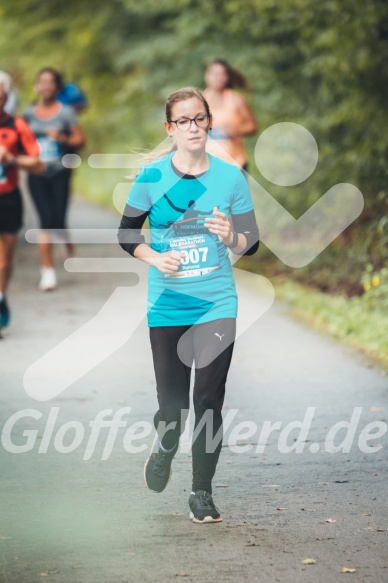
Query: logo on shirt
[{"x": 192, "y": 219}]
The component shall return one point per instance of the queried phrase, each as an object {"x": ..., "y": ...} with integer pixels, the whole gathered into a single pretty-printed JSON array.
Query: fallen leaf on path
[
  {"x": 347, "y": 570},
  {"x": 221, "y": 485},
  {"x": 341, "y": 481},
  {"x": 324, "y": 483},
  {"x": 270, "y": 486},
  {"x": 181, "y": 574},
  {"x": 376, "y": 408},
  {"x": 366, "y": 514},
  {"x": 281, "y": 508},
  {"x": 309, "y": 562},
  {"x": 331, "y": 520},
  {"x": 252, "y": 545}
]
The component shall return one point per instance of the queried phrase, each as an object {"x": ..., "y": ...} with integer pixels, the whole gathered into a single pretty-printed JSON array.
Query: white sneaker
[{"x": 48, "y": 279}]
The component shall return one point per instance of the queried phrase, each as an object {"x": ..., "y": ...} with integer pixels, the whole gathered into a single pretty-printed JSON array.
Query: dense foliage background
[{"x": 321, "y": 64}]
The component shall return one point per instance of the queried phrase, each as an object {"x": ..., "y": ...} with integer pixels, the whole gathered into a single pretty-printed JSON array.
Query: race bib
[
  {"x": 50, "y": 150},
  {"x": 200, "y": 254},
  {"x": 3, "y": 175}
]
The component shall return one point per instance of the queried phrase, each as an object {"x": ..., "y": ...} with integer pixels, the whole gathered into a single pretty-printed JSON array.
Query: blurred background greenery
[{"x": 321, "y": 64}]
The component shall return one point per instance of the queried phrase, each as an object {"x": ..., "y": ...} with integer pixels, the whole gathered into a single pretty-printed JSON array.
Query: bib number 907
[{"x": 194, "y": 255}]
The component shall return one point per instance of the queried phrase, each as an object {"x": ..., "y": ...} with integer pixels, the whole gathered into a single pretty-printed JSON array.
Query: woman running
[
  {"x": 18, "y": 149},
  {"x": 189, "y": 196},
  {"x": 56, "y": 128},
  {"x": 232, "y": 117}
]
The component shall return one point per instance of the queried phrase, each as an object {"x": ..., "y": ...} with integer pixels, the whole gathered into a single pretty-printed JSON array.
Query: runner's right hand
[
  {"x": 168, "y": 262},
  {"x": 5, "y": 155}
]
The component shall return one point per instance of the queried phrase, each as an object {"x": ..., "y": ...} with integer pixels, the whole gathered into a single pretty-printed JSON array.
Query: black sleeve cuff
[
  {"x": 128, "y": 234},
  {"x": 245, "y": 224}
]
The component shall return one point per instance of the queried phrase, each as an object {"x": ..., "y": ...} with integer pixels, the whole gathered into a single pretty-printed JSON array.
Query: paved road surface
[{"x": 67, "y": 519}]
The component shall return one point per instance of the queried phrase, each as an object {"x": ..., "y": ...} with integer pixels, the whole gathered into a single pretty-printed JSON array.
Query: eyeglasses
[{"x": 184, "y": 123}]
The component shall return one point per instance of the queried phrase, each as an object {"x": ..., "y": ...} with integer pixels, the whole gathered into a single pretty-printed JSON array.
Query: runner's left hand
[
  {"x": 219, "y": 225},
  {"x": 56, "y": 135}
]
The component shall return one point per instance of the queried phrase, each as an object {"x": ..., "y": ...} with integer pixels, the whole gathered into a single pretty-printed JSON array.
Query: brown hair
[
  {"x": 56, "y": 75},
  {"x": 182, "y": 95},
  {"x": 175, "y": 97},
  {"x": 235, "y": 79}
]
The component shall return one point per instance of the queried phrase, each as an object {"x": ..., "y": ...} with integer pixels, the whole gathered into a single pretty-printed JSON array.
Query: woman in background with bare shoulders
[{"x": 232, "y": 117}]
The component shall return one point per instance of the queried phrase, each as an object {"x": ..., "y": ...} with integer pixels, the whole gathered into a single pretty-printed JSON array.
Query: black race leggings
[
  {"x": 50, "y": 194},
  {"x": 202, "y": 345}
]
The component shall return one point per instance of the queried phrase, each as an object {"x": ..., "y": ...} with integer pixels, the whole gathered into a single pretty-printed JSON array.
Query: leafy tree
[{"x": 324, "y": 65}]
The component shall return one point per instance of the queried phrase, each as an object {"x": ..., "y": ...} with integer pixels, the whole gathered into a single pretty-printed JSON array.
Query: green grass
[{"x": 351, "y": 320}]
